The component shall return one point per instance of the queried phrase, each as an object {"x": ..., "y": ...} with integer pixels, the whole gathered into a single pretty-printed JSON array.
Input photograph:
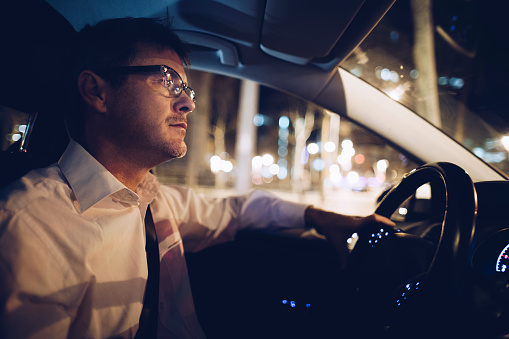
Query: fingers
[
  {"x": 384, "y": 220},
  {"x": 338, "y": 228}
]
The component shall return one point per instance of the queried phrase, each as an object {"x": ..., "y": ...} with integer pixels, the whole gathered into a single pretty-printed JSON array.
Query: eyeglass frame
[{"x": 163, "y": 69}]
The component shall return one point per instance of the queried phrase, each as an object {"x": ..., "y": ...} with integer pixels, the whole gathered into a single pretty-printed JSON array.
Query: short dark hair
[{"x": 116, "y": 42}]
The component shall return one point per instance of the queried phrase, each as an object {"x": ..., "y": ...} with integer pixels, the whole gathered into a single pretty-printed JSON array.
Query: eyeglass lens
[{"x": 175, "y": 85}]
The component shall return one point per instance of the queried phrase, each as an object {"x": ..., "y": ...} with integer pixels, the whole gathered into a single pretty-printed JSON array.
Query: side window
[
  {"x": 14, "y": 127},
  {"x": 245, "y": 136}
]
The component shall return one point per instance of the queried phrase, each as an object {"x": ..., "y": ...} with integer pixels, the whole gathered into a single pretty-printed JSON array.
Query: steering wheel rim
[{"x": 453, "y": 252}]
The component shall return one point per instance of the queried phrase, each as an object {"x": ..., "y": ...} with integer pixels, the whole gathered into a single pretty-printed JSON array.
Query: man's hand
[{"x": 337, "y": 228}]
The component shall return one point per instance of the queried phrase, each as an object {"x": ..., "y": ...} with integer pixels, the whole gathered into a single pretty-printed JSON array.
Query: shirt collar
[
  {"x": 148, "y": 188},
  {"x": 91, "y": 182}
]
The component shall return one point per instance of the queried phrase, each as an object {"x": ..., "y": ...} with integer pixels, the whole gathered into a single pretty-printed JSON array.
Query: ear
[{"x": 92, "y": 89}]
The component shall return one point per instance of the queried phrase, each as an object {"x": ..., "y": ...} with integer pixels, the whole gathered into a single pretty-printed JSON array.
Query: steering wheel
[{"x": 403, "y": 281}]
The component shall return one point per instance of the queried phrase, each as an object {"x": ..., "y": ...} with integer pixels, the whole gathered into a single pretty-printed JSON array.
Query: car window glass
[
  {"x": 13, "y": 126},
  {"x": 299, "y": 150},
  {"x": 448, "y": 67}
]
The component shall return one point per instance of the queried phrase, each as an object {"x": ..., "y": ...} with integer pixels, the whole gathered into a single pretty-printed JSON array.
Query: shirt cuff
[{"x": 293, "y": 214}]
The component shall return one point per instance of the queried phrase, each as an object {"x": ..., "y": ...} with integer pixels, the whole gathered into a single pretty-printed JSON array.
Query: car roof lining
[{"x": 294, "y": 31}]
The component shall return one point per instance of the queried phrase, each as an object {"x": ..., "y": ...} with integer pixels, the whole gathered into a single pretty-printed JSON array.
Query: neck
[
  {"x": 124, "y": 165},
  {"x": 127, "y": 174}
]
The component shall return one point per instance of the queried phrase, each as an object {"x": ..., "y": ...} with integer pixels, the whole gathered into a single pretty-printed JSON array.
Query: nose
[{"x": 184, "y": 104}]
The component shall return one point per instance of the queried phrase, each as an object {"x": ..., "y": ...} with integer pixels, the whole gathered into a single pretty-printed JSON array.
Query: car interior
[{"x": 440, "y": 273}]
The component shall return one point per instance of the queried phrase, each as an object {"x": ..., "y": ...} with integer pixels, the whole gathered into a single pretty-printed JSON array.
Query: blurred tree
[{"x": 424, "y": 58}]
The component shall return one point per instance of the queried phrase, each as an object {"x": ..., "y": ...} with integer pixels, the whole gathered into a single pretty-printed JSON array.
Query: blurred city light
[
  {"x": 456, "y": 83},
  {"x": 266, "y": 172},
  {"x": 398, "y": 92},
  {"x": 284, "y": 122},
  {"x": 282, "y": 151},
  {"x": 313, "y": 148},
  {"x": 382, "y": 165},
  {"x": 359, "y": 159},
  {"x": 318, "y": 165},
  {"x": 257, "y": 179},
  {"x": 385, "y": 74},
  {"x": 329, "y": 146},
  {"x": 226, "y": 166},
  {"x": 259, "y": 120},
  {"x": 347, "y": 143},
  {"x": 215, "y": 164},
  {"x": 394, "y": 36},
  {"x": 274, "y": 169},
  {"x": 343, "y": 159},
  {"x": 335, "y": 174},
  {"x": 257, "y": 162},
  {"x": 505, "y": 142},
  {"x": 283, "y": 173},
  {"x": 348, "y": 152},
  {"x": 479, "y": 152},
  {"x": 267, "y": 160},
  {"x": 352, "y": 177}
]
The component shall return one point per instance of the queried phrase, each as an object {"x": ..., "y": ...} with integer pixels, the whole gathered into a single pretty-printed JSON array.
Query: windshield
[{"x": 446, "y": 61}]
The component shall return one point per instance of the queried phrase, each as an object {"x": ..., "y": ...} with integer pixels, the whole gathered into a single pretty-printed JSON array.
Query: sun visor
[{"x": 297, "y": 31}]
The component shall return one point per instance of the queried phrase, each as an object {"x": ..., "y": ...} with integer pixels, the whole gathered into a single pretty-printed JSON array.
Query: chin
[{"x": 179, "y": 152}]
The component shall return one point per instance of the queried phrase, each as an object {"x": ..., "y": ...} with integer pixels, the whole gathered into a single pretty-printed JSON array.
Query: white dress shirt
[{"x": 72, "y": 249}]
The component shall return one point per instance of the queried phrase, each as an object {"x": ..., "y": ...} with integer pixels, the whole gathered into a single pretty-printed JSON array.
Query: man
[{"x": 72, "y": 236}]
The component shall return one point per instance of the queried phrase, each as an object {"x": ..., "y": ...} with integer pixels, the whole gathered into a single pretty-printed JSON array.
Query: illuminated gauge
[
  {"x": 491, "y": 257},
  {"x": 503, "y": 260}
]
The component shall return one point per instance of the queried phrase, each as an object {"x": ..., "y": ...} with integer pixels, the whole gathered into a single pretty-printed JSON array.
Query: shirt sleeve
[
  {"x": 29, "y": 305},
  {"x": 204, "y": 221}
]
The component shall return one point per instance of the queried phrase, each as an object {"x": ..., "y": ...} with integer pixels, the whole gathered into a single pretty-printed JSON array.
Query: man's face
[{"x": 147, "y": 123}]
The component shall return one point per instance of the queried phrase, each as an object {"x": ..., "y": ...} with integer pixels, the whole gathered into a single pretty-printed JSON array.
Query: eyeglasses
[{"x": 171, "y": 79}]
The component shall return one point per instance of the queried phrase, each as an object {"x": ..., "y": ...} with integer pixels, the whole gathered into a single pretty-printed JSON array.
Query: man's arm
[{"x": 204, "y": 221}]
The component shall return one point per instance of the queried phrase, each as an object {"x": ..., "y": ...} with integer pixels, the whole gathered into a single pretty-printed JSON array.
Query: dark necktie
[{"x": 149, "y": 314}]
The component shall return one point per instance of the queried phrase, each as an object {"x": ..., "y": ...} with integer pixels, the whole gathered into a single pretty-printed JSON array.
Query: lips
[{"x": 180, "y": 124}]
